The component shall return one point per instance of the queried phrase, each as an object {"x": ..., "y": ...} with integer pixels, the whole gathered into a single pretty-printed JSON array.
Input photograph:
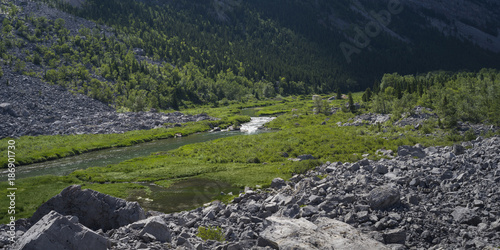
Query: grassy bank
[
  {"x": 32, "y": 149},
  {"x": 244, "y": 160}
]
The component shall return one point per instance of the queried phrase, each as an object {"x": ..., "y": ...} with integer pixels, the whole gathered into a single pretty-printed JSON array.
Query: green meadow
[{"x": 243, "y": 160}]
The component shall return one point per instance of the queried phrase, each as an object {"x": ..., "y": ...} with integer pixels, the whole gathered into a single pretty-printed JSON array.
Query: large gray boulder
[
  {"x": 55, "y": 231},
  {"x": 324, "y": 233},
  {"x": 383, "y": 197},
  {"x": 278, "y": 183},
  {"x": 94, "y": 210},
  {"x": 156, "y": 227}
]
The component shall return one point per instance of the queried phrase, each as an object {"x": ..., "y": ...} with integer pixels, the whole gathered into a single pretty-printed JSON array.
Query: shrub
[
  {"x": 211, "y": 233},
  {"x": 253, "y": 160},
  {"x": 469, "y": 135}
]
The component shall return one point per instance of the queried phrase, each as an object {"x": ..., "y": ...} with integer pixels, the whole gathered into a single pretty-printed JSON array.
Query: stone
[
  {"x": 308, "y": 211},
  {"x": 383, "y": 197},
  {"x": 380, "y": 169},
  {"x": 271, "y": 207},
  {"x": 349, "y": 198},
  {"x": 413, "y": 199},
  {"x": 448, "y": 155},
  {"x": 395, "y": 236},
  {"x": 411, "y": 151},
  {"x": 467, "y": 216},
  {"x": 362, "y": 216},
  {"x": 93, "y": 209},
  {"x": 55, "y": 231},
  {"x": 306, "y": 157},
  {"x": 6, "y": 108},
  {"x": 354, "y": 167},
  {"x": 458, "y": 149},
  {"x": 324, "y": 233},
  {"x": 495, "y": 226},
  {"x": 278, "y": 183},
  {"x": 263, "y": 242},
  {"x": 156, "y": 227},
  {"x": 364, "y": 162}
]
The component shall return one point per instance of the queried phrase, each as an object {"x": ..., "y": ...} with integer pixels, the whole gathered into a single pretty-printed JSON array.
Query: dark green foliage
[
  {"x": 253, "y": 160},
  {"x": 367, "y": 95},
  {"x": 463, "y": 96},
  {"x": 255, "y": 49},
  {"x": 352, "y": 107}
]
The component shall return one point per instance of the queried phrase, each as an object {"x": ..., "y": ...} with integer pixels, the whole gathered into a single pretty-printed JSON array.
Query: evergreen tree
[
  {"x": 352, "y": 107},
  {"x": 367, "y": 95}
]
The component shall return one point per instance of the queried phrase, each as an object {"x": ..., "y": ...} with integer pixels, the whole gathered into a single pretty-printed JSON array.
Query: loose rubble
[
  {"x": 30, "y": 107},
  {"x": 447, "y": 198}
]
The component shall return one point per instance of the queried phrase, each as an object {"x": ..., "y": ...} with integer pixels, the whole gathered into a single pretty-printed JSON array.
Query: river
[
  {"x": 182, "y": 195},
  {"x": 101, "y": 158}
]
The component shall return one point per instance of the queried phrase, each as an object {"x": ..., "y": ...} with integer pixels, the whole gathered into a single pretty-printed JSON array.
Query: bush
[
  {"x": 469, "y": 135},
  {"x": 253, "y": 160},
  {"x": 211, "y": 233}
]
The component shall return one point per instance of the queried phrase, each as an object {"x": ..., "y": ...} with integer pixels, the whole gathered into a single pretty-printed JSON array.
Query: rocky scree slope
[
  {"x": 29, "y": 106},
  {"x": 425, "y": 198}
]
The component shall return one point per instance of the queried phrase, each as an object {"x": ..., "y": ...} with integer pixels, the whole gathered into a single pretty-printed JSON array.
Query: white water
[{"x": 254, "y": 125}]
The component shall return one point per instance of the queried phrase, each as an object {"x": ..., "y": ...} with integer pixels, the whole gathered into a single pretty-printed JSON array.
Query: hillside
[{"x": 164, "y": 54}]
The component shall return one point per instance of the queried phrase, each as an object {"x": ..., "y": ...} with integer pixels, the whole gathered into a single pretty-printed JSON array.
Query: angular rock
[
  {"x": 395, "y": 236},
  {"x": 411, "y": 151},
  {"x": 324, "y": 233},
  {"x": 495, "y": 226},
  {"x": 458, "y": 149},
  {"x": 94, "y": 210},
  {"x": 467, "y": 216},
  {"x": 156, "y": 227},
  {"x": 6, "y": 108},
  {"x": 55, "y": 231},
  {"x": 383, "y": 197},
  {"x": 380, "y": 169},
  {"x": 278, "y": 183}
]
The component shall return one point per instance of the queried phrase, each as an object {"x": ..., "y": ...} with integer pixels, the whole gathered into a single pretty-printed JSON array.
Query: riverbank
[
  {"x": 425, "y": 197},
  {"x": 302, "y": 141},
  {"x": 33, "y": 149}
]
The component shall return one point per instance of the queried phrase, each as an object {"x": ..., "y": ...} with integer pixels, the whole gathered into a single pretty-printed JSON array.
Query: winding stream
[
  {"x": 101, "y": 158},
  {"x": 182, "y": 195}
]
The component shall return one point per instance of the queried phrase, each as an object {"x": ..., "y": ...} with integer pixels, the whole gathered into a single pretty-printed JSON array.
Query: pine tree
[
  {"x": 367, "y": 96},
  {"x": 352, "y": 108}
]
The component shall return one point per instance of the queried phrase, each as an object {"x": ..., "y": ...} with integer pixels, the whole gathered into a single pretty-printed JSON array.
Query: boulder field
[
  {"x": 29, "y": 106},
  {"x": 424, "y": 198}
]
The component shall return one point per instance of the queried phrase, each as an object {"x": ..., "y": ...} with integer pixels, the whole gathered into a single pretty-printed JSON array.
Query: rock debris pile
[
  {"x": 424, "y": 198},
  {"x": 417, "y": 119},
  {"x": 30, "y": 107}
]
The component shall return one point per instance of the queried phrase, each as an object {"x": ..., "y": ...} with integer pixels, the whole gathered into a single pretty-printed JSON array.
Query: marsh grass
[
  {"x": 298, "y": 132},
  {"x": 33, "y": 149}
]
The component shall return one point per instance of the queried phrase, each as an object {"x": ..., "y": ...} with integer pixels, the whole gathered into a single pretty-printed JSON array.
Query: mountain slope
[{"x": 165, "y": 54}]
